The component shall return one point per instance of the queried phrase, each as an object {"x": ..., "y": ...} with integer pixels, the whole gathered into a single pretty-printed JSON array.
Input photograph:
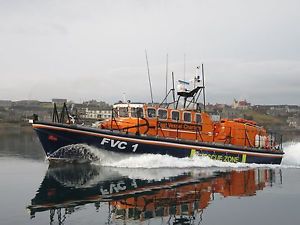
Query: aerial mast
[
  {"x": 184, "y": 67},
  {"x": 149, "y": 76},
  {"x": 203, "y": 84},
  {"x": 167, "y": 79}
]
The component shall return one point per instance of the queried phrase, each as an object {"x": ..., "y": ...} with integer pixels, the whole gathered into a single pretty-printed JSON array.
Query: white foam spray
[
  {"x": 112, "y": 159},
  {"x": 292, "y": 155},
  {"x": 164, "y": 161}
]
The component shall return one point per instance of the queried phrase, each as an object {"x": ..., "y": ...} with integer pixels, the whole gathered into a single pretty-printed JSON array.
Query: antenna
[
  {"x": 184, "y": 67},
  {"x": 173, "y": 87},
  {"x": 167, "y": 80},
  {"x": 149, "y": 77},
  {"x": 203, "y": 87}
]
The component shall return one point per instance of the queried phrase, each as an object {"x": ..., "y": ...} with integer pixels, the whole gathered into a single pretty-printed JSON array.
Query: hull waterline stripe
[{"x": 160, "y": 143}]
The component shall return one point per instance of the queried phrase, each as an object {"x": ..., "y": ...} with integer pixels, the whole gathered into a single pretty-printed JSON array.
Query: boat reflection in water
[{"x": 178, "y": 196}]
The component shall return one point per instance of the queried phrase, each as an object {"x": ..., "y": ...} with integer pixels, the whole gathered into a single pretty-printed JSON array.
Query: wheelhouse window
[
  {"x": 187, "y": 117},
  {"x": 123, "y": 112},
  {"x": 175, "y": 115},
  {"x": 151, "y": 112},
  {"x": 198, "y": 118},
  {"x": 137, "y": 112},
  {"x": 162, "y": 114}
]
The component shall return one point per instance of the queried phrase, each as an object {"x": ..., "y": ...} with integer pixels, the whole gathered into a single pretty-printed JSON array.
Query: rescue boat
[{"x": 179, "y": 128}]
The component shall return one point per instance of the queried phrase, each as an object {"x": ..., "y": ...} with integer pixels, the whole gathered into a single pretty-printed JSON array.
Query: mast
[
  {"x": 184, "y": 67},
  {"x": 173, "y": 89},
  {"x": 203, "y": 87},
  {"x": 167, "y": 79},
  {"x": 149, "y": 77}
]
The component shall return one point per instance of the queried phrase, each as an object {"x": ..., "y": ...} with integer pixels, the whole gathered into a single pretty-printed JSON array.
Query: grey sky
[{"x": 84, "y": 50}]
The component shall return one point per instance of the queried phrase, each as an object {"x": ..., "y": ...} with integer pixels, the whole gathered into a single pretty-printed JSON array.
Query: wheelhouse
[{"x": 139, "y": 110}]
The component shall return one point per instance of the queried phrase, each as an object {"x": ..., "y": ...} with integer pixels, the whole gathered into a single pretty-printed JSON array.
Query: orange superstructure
[{"x": 186, "y": 124}]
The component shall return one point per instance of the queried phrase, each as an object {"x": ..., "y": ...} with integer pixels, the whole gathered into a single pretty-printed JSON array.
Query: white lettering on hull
[{"x": 122, "y": 145}]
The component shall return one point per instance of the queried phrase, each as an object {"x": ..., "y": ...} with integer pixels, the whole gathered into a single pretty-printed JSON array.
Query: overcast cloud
[{"x": 83, "y": 50}]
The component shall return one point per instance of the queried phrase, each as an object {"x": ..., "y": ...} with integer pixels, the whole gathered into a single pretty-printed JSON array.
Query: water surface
[{"x": 144, "y": 189}]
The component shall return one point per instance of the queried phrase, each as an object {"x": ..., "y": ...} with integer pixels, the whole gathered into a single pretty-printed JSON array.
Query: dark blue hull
[{"x": 54, "y": 136}]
